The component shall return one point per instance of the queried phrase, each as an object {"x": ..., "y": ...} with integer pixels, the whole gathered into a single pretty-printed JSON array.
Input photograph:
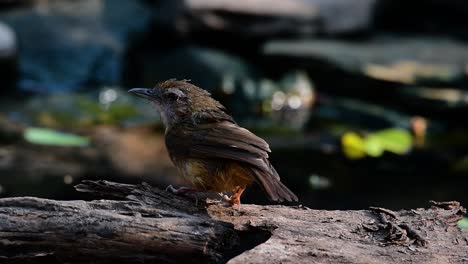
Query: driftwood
[{"x": 146, "y": 224}]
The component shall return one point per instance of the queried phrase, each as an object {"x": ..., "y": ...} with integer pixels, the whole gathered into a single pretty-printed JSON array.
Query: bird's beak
[{"x": 146, "y": 93}]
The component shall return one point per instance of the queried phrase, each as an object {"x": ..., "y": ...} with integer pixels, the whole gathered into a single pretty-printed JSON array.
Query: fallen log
[{"x": 145, "y": 224}]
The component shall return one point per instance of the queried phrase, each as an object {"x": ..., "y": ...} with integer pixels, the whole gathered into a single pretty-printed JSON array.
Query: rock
[
  {"x": 267, "y": 17},
  {"x": 67, "y": 45},
  {"x": 7, "y": 42},
  {"x": 415, "y": 60},
  {"x": 8, "y": 50}
]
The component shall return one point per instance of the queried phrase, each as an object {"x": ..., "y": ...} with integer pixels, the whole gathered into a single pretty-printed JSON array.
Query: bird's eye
[{"x": 172, "y": 96}]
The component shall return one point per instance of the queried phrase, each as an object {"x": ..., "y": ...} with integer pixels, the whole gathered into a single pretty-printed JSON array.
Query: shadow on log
[{"x": 145, "y": 224}]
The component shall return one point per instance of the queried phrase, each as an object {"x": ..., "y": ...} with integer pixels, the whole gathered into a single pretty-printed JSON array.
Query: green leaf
[
  {"x": 398, "y": 141},
  {"x": 373, "y": 147},
  {"x": 463, "y": 223},
  {"x": 43, "y": 136}
]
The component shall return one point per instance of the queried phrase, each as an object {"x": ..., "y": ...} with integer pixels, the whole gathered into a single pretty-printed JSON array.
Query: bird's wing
[
  {"x": 227, "y": 140},
  {"x": 224, "y": 140}
]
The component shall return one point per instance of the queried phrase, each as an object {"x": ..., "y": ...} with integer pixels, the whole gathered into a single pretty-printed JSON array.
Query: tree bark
[{"x": 145, "y": 224}]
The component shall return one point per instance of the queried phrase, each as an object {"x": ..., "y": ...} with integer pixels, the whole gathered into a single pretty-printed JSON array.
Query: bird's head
[{"x": 177, "y": 100}]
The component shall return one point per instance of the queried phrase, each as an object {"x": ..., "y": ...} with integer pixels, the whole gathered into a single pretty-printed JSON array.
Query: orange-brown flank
[{"x": 215, "y": 176}]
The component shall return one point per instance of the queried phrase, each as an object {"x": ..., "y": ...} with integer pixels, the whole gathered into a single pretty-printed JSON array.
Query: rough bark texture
[{"x": 146, "y": 224}]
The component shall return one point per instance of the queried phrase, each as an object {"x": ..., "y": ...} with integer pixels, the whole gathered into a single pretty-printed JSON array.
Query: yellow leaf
[{"x": 353, "y": 145}]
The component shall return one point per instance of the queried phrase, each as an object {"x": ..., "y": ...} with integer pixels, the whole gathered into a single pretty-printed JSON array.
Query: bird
[{"x": 211, "y": 151}]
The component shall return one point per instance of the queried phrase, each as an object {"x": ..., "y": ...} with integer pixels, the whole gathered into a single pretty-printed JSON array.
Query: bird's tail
[{"x": 273, "y": 187}]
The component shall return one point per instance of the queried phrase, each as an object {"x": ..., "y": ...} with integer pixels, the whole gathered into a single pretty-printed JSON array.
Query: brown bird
[{"x": 208, "y": 147}]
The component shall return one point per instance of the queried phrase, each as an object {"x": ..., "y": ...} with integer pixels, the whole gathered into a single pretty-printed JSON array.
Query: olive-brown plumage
[{"x": 208, "y": 147}]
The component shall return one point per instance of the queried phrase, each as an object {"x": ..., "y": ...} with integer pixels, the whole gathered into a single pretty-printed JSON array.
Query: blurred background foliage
[{"x": 364, "y": 102}]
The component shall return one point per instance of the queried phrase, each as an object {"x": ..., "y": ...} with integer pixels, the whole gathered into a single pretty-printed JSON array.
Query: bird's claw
[
  {"x": 232, "y": 200},
  {"x": 225, "y": 198}
]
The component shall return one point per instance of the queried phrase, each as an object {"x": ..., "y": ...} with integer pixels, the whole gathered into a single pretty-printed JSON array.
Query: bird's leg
[
  {"x": 235, "y": 197},
  {"x": 224, "y": 197},
  {"x": 184, "y": 191}
]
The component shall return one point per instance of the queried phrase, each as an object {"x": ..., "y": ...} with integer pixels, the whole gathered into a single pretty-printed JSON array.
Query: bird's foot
[
  {"x": 225, "y": 198},
  {"x": 230, "y": 200},
  {"x": 233, "y": 200},
  {"x": 188, "y": 192}
]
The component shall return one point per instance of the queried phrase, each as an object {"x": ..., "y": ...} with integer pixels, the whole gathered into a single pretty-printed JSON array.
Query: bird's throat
[{"x": 167, "y": 114}]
